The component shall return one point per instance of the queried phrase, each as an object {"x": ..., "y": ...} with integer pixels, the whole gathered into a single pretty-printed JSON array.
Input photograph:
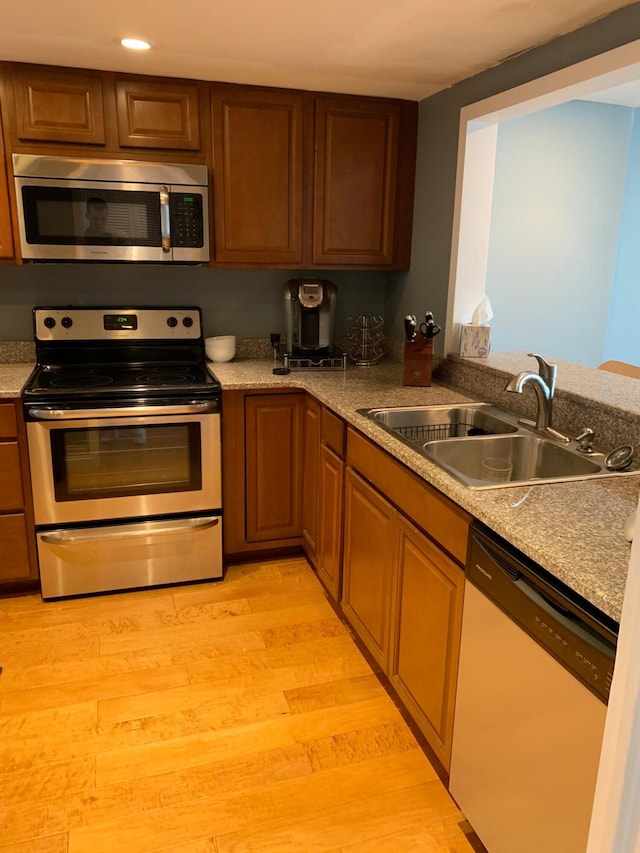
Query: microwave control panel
[{"x": 187, "y": 221}]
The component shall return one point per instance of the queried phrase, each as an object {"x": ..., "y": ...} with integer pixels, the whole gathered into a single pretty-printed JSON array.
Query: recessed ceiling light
[{"x": 135, "y": 44}]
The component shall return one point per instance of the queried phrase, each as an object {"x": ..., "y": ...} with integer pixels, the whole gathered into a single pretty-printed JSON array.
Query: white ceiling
[{"x": 396, "y": 48}]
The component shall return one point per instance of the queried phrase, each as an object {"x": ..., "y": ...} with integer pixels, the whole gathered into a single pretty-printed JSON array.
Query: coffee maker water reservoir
[{"x": 310, "y": 308}]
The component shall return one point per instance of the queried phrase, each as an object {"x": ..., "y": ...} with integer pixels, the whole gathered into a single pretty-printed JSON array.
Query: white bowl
[{"x": 220, "y": 348}]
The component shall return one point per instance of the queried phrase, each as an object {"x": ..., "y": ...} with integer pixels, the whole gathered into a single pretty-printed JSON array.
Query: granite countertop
[
  {"x": 13, "y": 377},
  {"x": 574, "y": 530}
]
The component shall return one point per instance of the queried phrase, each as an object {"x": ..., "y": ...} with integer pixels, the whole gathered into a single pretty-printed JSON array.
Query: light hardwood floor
[{"x": 217, "y": 718}]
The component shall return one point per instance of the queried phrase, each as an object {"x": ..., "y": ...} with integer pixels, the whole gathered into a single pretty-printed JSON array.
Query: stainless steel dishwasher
[{"x": 536, "y": 663}]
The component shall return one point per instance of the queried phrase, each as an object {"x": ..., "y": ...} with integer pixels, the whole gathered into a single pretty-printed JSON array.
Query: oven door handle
[
  {"x": 192, "y": 407},
  {"x": 123, "y": 531}
]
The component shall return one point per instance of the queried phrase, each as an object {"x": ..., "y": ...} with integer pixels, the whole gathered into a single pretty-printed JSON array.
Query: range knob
[
  {"x": 172, "y": 322},
  {"x": 187, "y": 322},
  {"x": 50, "y": 322},
  {"x": 67, "y": 322}
]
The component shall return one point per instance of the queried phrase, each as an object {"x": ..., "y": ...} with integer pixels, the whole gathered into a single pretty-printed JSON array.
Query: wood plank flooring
[{"x": 217, "y": 718}]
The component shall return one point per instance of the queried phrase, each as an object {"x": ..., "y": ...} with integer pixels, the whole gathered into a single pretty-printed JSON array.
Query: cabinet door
[
  {"x": 11, "y": 494},
  {"x": 14, "y": 554},
  {"x": 54, "y": 105},
  {"x": 273, "y": 464},
  {"x": 157, "y": 114},
  {"x": 258, "y": 168},
  {"x": 6, "y": 237},
  {"x": 426, "y": 642},
  {"x": 310, "y": 476},
  {"x": 355, "y": 181},
  {"x": 329, "y": 562},
  {"x": 369, "y": 555}
]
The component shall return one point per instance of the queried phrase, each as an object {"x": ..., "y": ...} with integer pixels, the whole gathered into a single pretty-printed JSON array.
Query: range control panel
[{"x": 109, "y": 324}]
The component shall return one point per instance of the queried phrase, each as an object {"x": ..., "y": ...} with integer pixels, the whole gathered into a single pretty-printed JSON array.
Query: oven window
[{"x": 118, "y": 461}]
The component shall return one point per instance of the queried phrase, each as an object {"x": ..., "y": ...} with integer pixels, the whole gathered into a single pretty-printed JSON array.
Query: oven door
[{"x": 133, "y": 466}]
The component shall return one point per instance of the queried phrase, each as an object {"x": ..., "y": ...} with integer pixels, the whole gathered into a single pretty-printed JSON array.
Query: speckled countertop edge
[
  {"x": 574, "y": 530},
  {"x": 13, "y": 378}
]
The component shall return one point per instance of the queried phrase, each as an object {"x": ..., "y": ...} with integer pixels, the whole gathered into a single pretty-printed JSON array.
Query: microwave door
[{"x": 92, "y": 220}]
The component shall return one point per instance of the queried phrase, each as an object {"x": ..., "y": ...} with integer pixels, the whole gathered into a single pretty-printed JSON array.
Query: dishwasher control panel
[{"x": 550, "y": 617}]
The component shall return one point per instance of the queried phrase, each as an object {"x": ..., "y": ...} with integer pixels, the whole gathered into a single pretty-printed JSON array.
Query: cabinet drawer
[
  {"x": 333, "y": 432},
  {"x": 11, "y": 496},
  {"x": 443, "y": 520},
  {"x": 14, "y": 554},
  {"x": 8, "y": 425}
]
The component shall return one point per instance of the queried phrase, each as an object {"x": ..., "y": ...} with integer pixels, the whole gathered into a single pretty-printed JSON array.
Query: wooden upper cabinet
[
  {"x": 355, "y": 181},
  {"x": 258, "y": 158},
  {"x": 6, "y": 236},
  {"x": 157, "y": 114},
  {"x": 58, "y": 105}
]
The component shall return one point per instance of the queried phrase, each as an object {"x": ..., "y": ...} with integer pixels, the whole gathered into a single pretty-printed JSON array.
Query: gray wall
[
  {"x": 246, "y": 303},
  {"x": 425, "y": 285}
]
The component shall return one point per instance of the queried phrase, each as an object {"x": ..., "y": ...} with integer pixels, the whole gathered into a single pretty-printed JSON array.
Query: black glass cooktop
[{"x": 57, "y": 382}]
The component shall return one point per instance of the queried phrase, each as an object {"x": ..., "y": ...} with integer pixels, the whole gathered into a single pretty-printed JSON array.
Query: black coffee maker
[{"x": 310, "y": 307}]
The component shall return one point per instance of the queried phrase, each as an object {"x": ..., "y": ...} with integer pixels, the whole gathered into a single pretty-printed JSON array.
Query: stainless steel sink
[
  {"x": 512, "y": 459},
  {"x": 486, "y": 447},
  {"x": 417, "y": 424}
]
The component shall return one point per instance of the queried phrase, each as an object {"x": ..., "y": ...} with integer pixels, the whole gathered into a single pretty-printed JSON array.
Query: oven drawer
[{"x": 126, "y": 556}]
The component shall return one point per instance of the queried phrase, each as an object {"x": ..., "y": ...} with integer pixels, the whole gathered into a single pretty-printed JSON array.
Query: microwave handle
[{"x": 165, "y": 219}]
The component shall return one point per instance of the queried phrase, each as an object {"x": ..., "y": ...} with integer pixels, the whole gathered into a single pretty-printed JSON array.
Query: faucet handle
[
  {"x": 585, "y": 440},
  {"x": 546, "y": 370}
]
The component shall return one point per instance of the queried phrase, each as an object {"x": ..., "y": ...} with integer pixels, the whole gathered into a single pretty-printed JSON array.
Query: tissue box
[{"x": 475, "y": 341}]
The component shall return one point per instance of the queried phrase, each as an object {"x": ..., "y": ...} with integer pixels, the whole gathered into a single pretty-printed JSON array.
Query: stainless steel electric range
[{"x": 123, "y": 428}]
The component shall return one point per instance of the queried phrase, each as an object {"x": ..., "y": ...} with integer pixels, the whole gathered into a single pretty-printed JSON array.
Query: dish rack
[{"x": 432, "y": 432}]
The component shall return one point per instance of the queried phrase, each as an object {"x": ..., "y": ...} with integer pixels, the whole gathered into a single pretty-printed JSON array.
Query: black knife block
[{"x": 418, "y": 361}]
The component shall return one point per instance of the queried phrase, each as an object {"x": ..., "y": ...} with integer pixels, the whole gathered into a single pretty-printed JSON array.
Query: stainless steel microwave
[{"x": 73, "y": 209}]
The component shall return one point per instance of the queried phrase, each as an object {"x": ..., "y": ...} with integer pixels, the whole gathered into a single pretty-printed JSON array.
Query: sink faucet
[{"x": 544, "y": 384}]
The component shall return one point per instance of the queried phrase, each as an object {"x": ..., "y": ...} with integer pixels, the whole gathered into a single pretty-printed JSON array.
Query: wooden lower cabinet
[
  {"x": 15, "y": 564},
  {"x": 368, "y": 565},
  {"x": 273, "y": 460},
  {"x": 387, "y": 546},
  {"x": 262, "y": 465},
  {"x": 18, "y": 562},
  {"x": 330, "y": 515},
  {"x": 310, "y": 476},
  {"x": 322, "y": 497},
  {"x": 426, "y": 637},
  {"x": 402, "y": 591}
]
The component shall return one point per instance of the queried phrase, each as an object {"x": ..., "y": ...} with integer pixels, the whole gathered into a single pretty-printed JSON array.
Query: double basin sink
[{"x": 486, "y": 447}]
